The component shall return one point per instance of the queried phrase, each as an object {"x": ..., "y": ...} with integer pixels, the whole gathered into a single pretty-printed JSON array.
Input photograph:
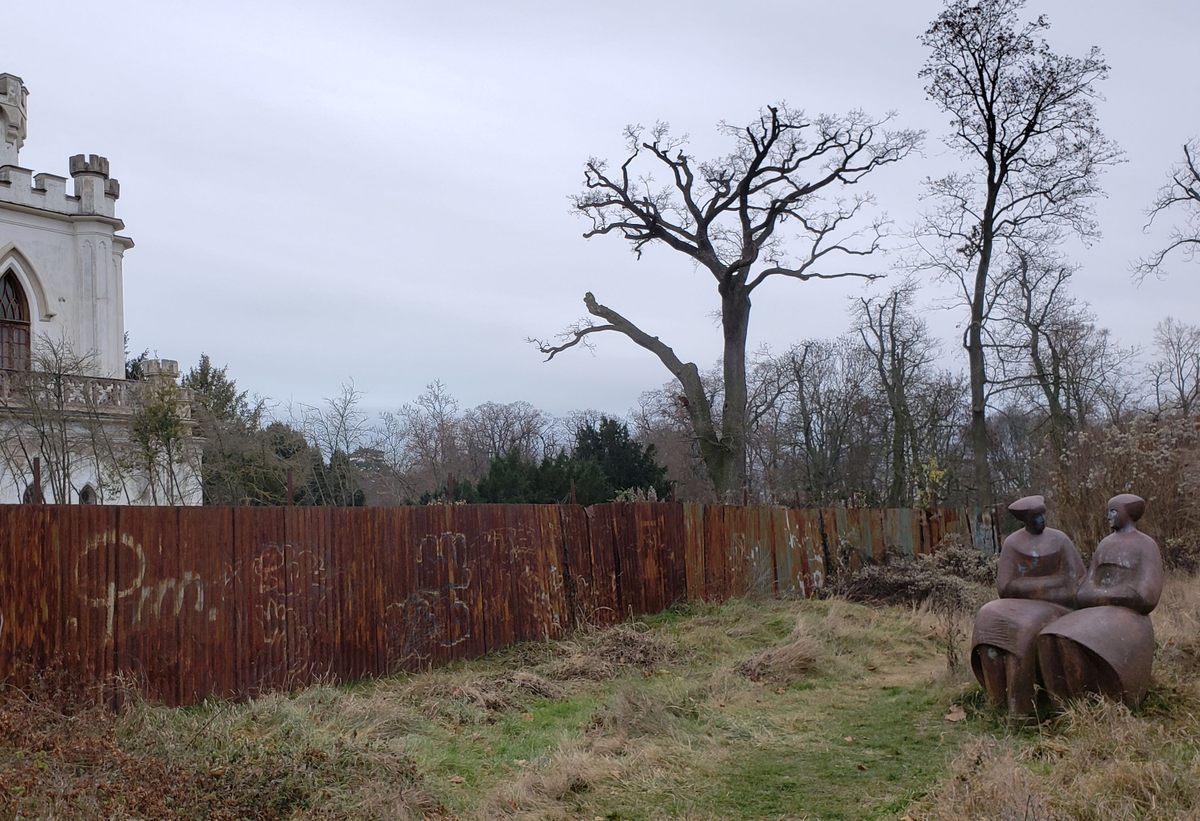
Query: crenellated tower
[{"x": 60, "y": 248}]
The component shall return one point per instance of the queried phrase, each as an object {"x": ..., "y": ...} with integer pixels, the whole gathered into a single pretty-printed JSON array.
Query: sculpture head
[
  {"x": 1032, "y": 511},
  {"x": 1124, "y": 509}
]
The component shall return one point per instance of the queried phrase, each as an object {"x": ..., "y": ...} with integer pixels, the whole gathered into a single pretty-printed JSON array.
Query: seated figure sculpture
[
  {"x": 1038, "y": 573},
  {"x": 1107, "y": 646}
]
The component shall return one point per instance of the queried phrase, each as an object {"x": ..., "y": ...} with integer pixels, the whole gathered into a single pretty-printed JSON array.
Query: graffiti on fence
[
  {"x": 165, "y": 597},
  {"x": 413, "y": 625},
  {"x": 276, "y": 571}
]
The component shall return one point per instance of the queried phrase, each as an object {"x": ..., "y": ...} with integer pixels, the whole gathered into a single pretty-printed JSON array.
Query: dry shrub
[
  {"x": 602, "y": 654},
  {"x": 1157, "y": 460},
  {"x": 910, "y": 582},
  {"x": 506, "y": 691},
  {"x": 954, "y": 577},
  {"x": 955, "y": 558},
  {"x": 788, "y": 662}
]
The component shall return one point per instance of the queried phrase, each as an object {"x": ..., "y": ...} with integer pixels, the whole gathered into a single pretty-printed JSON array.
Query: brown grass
[
  {"x": 788, "y": 662},
  {"x": 603, "y": 654},
  {"x": 1097, "y": 759}
]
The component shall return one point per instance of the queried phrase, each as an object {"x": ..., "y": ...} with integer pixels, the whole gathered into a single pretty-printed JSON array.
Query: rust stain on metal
[{"x": 234, "y": 602}]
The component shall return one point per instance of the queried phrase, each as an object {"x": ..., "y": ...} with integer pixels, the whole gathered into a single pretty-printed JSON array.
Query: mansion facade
[{"x": 73, "y": 428}]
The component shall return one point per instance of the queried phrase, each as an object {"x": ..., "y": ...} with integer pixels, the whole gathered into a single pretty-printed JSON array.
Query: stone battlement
[{"x": 93, "y": 191}]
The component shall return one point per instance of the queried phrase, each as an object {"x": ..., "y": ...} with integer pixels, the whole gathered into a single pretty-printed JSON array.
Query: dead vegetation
[
  {"x": 745, "y": 709},
  {"x": 603, "y": 654},
  {"x": 1095, "y": 759},
  {"x": 703, "y": 711},
  {"x": 788, "y": 662},
  {"x": 955, "y": 576}
]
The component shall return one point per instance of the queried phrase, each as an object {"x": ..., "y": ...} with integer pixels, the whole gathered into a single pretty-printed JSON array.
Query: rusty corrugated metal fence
[{"x": 238, "y": 601}]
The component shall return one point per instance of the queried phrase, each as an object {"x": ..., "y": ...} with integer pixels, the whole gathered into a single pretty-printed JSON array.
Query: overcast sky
[{"x": 379, "y": 191}]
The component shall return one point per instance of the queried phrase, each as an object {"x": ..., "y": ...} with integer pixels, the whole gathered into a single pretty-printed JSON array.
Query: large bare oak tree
[
  {"x": 767, "y": 209},
  {"x": 1023, "y": 119}
]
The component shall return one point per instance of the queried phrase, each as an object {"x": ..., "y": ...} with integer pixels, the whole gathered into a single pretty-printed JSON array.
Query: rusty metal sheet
[
  {"x": 206, "y": 636},
  {"x": 24, "y": 606},
  {"x": 604, "y": 567},
  {"x": 693, "y": 550},
  {"x": 235, "y": 602},
  {"x": 150, "y": 598},
  {"x": 674, "y": 546},
  {"x": 716, "y": 554},
  {"x": 577, "y": 563}
]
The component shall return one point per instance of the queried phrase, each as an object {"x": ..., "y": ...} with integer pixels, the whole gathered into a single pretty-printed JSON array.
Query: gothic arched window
[
  {"x": 14, "y": 324},
  {"x": 87, "y": 495}
]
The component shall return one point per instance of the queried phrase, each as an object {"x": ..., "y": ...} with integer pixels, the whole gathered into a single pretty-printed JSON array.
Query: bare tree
[
  {"x": 493, "y": 429},
  {"x": 729, "y": 216},
  {"x": 1048, "y": 348},
  {"x": 1175, "y": 372},
  {"x": 426, "y": 438},
  {"x": 336, "y": 430},
  {"x": 1181, "y": 194},
  {"x": 1025, "y": 118},
  {"x": 831, "y": 412},
  {"x": 661, "y": 420},
  {"x": 901, "y": 349},
  {"x": 71, "y": 422}
]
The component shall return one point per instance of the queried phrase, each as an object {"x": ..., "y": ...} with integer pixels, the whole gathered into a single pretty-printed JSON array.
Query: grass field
[{"x": 776, "y": 709}]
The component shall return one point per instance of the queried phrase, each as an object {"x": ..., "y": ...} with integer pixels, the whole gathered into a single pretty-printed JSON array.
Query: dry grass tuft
[
  {"x": 787, "y": 663},
  {"x": 546, "y": 790},
  {"x": 507, "y": 690},
  {"x": 603, "y": 654}
]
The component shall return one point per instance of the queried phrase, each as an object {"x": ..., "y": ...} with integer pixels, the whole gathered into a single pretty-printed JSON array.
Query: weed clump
[
  {"x": 788, "y": 662},
  {"x": 955, "y": 577},
  {"x": 605, "y": 653},
  {"x": 507, "y": 690}
]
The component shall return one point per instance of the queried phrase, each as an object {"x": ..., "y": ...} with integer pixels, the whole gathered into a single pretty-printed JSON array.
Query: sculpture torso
[
  {"x": 1044, "y": 566},
  {"x": 1126, "y": 571}
]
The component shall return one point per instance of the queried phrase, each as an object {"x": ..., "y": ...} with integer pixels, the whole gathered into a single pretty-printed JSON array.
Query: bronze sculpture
[
  {"x": 1037, "y": 577},
  {"x": 1107, "y": 646}
]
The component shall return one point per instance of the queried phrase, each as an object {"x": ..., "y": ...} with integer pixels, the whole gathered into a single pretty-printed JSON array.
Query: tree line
[{"x": 1025, "y": 155}]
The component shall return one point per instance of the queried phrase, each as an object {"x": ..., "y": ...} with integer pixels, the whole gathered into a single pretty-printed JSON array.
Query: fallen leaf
[
  {"x": 862, "y": 767},
  {"x": 520, "y": 762},
  {"x": 527, "y": 716},
  {"x": 780, "y": 690},
  {"x": 848, "y": 738},
  {"x": 457, "y": 779},
  {"x": 956, "y": 714}
]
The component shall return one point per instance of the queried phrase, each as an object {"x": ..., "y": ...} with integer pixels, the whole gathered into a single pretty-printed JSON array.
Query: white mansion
[{"x": 68, "y": 416}]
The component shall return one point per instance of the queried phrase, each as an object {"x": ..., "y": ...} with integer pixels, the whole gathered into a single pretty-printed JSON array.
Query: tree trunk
[{"x": 735, "y": 320}]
